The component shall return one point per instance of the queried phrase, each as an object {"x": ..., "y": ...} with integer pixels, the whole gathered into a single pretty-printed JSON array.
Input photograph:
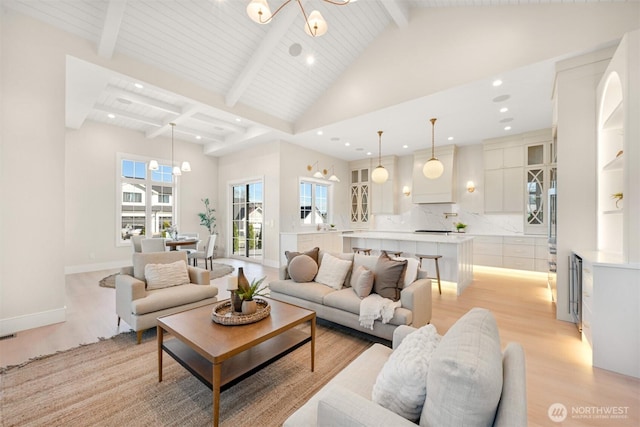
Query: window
[
  {"x": 314, "y": 203},
  {"x": 247, "y": 207},
  {"x": 146, "y": 198}
]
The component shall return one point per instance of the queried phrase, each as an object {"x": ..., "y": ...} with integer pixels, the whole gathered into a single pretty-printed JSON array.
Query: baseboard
[
  {"x": 85, "y": 268},
  {"x": 34, "y": 320}
]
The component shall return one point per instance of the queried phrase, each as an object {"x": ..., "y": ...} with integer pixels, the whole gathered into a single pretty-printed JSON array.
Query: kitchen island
[{"x": 456, "y": 249}]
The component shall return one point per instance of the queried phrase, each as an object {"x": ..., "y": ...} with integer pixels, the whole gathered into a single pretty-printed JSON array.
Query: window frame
[
  {"x": 314, "y": 183},
  {"x": 148, "y": 183}
]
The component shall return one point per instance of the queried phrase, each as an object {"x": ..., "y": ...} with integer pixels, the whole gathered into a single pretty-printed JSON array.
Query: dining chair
[
  {"x": 207, "y": 253},
  {"x": 153, "y": 245},
  {"x": 136, "y": 240},
  {"x": 189, "y": 248}
]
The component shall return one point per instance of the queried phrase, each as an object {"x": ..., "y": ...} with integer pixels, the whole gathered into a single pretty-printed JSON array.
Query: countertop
[
  {"x": 607, "y": 259},
  {"x": 410, "y": 236}
]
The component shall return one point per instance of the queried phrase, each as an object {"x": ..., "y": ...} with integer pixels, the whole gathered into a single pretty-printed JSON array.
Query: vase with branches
[{"x": 207, "y": 218}]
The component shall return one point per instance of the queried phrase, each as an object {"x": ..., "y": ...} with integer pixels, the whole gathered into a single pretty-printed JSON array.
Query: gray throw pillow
[
  {"x": 302, "y": 269},
  {"x": 362, "y": 281},
  {"x": 389, "y": 276}
]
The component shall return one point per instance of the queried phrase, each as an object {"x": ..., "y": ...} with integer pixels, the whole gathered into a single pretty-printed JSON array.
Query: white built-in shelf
[
  {"x": 613, "y": 212},
  {"x": 615, "y": 119},
  {"x": 615, "y": 164}
]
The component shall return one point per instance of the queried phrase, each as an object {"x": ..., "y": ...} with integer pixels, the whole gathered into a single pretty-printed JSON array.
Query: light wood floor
[{"x": 558, "y": 362}]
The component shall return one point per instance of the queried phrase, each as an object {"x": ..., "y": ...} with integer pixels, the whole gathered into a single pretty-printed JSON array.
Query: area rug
[
  {"x": 218, "y": 270},
  {"x": 115, "y": 382}
]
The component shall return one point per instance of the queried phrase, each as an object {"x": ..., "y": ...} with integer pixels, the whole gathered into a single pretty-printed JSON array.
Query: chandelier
[
  {"x": 315, "y": 25},
  {"x": 175, "y": 170},
  {"x": 434, "y": 167}
]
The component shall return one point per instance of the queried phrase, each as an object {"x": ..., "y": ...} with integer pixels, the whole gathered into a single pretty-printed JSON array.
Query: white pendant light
[
  {"x": 317, "y": 173},
  {"x": 433, "y": 168},
  {"x": 153, "y": 165},
  {"x": 258, "y": 11},
  {"x": 175, "y": 170},
  {"x": 379, "y": 174},
  {"x": 316, "y": 25},
  {"x": 186, "y": 166}
]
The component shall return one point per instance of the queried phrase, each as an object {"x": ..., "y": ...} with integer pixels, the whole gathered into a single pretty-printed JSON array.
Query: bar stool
[
  {"x": 365, "y": 251},
  {"x": 434, "y": 258},
  {"x": 394, "y": 253}
]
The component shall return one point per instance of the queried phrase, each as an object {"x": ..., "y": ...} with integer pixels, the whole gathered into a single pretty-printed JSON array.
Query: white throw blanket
[{"x": 375, "y": 307}]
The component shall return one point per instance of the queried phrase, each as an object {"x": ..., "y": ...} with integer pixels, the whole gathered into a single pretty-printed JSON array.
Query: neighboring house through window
[{"x": 314, "y": 202}]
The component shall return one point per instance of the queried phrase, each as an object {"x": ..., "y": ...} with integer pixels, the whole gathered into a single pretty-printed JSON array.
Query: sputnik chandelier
[{"x": 315, "y": 25}]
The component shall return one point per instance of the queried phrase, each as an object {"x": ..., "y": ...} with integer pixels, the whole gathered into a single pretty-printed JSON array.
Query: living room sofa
[
  {"x": 179, "y": 288},
  {"x": 469, "y": 382},
  {"x": 342, "y": 306}
]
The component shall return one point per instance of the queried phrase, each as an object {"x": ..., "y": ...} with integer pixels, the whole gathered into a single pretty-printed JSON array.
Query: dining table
[{"x": 174, "y": 244}]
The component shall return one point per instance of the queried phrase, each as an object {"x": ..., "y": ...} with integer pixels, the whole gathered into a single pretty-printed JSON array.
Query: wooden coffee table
[{"x": 221, "y": 356}]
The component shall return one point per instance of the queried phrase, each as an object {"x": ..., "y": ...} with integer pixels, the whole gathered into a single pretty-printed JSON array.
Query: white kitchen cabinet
[
  {"x": 504, "y": 190},
  {"x": 514, "y": 252},
  {"x": 384, "y": 198},
  {"x": 439, "y": 190}
]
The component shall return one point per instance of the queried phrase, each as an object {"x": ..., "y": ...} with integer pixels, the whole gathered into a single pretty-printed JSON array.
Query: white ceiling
[{"x": 214, "y": 44}]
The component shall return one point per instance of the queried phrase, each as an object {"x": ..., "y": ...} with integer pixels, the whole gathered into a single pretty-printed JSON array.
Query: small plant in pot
[
  {"x": 249, "y": 305},
  {"x": 460, "y": 226}
]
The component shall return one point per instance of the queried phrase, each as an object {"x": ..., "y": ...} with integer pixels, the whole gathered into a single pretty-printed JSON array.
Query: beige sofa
[
  {"x": 343, "y": 306},
  {"x": 140, "y": 307},
  {"x": 469, "y": 382}
]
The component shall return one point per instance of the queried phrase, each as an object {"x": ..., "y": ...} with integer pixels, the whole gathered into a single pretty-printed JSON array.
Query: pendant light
[
  {"x": 380, "y": 174},
  {"x": 433, "y": 168},
  {"x": 175, "y": 170}
]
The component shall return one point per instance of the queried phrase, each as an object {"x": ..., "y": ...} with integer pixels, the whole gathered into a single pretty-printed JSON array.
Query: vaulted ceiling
[{"x": 268, "y": 90}]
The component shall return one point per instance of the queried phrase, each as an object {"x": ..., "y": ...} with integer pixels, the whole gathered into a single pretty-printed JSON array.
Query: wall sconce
[
  {"x": 317, "y": 173},
  {"x": 406, "y": 190},
  {"x": 471, "y": 186}
]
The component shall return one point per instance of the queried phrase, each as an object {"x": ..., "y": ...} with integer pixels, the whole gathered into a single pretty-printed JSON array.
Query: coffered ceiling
[{"x": 262, "y": 75}]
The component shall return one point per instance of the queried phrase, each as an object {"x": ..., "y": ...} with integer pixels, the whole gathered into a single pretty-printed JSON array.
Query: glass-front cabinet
[
  {"x": 360, "y": 191},
  {"x": 540, "y": 172}
]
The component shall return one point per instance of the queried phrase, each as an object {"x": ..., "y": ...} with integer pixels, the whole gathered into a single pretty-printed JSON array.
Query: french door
[{"x": 247, "y": 219}]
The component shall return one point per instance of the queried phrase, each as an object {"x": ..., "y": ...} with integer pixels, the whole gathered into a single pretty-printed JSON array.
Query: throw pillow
[
  {"x": 302, "y": 269},
  {"x": 166, "y": 275},
  {"x": 362, "y": 281},
  {"x": 466, "y": 371},
  {"x": 333, "y": 271},
  {"x": 313, "y": 253},
  {"x": 389, "y": 276},
  {"x": 401, "y": 385}
]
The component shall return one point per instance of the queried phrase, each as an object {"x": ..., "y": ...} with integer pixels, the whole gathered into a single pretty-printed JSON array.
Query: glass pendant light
[
  {"x": 433, "y": 168},
  {"x": 380, "y": 174}
]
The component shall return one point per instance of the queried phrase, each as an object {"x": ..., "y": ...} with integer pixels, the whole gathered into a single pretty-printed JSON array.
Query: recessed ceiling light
[
  {"x": 405, "y": 146},
  {"x": 111, "y": 116},
  {"x": 138, "y": 85},
  {"x": 198, "y": 137},
  {"x": 311, "y": 60},
  {"x": 497, "y": 83},
  {"x": 238, "y": 119},
  {"x": 450, "y": 138},
  {"x": 320, "y": 132},
  {"x": 501, "y": 98},
  {"x": 507, "y": 128},
  {"x": 346, "y": 144},
  {"x": 504, "y": 109}
]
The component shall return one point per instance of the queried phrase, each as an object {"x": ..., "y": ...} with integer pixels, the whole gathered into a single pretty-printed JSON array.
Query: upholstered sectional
[
  {"x": 469, "y": 382},
  {"x": 342, "y": 305}
]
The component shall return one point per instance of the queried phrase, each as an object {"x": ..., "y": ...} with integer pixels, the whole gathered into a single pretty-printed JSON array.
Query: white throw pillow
[
  {"x": 333, "y": 271},
  {"x": 165, "y": 275},
  {"x": 401, "y": 385}
]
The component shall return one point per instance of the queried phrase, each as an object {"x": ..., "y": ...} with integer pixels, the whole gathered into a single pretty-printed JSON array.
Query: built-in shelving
[{"x": 615, "y": 164}]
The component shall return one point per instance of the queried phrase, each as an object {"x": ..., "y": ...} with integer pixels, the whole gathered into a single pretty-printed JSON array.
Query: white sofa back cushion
[{"x": 465, "y": 374}]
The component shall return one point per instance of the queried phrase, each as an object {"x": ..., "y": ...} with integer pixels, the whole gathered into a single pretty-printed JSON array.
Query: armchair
[{"x": 139, "y": 306}]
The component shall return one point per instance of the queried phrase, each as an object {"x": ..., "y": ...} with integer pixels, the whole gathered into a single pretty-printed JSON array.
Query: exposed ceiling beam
[
  {"x": 111, "y": 27},
  {"x": 219, "y": 123},
  {"x": 128, "y": 115},
  {"x": 185, "y": 113},
  {"x": 279, "y": 26},
  {"x": 144, "y": 100},
  {"x": 398, "y": 11}
]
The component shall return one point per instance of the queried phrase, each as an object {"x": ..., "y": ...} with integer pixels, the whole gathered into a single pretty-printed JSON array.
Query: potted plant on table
[
  {"x": 247, "y": 294},
  {"x": 460, "y": 226}
]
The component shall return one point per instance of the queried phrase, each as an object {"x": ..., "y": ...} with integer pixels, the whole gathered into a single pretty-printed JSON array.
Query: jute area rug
[
  {"x": 218, "y": 269},
  {"x": 115, "y": 382}
]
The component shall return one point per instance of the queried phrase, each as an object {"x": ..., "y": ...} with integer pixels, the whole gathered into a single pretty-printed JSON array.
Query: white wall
[{"x": 92, "y": 187}]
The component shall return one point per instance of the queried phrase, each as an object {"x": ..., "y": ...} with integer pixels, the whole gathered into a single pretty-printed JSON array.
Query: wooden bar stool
[
  {"x": 394, "y": 253},
  {"x": 434, "y": 258},
  {"x": 365, "y": 251}
]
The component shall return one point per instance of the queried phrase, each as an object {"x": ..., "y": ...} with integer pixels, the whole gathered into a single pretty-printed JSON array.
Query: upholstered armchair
[{"x": 158, "y": 284}]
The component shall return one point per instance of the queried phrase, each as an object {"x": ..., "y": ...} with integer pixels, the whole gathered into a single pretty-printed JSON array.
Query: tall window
[
  {"x": 247, "y": 222},
  {"x": 146, "y": 199},
  {"x": 314, "y": 203}
]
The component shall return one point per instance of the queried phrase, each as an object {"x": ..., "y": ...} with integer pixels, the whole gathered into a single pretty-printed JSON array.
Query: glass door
[{"x": 247, "y": 221}]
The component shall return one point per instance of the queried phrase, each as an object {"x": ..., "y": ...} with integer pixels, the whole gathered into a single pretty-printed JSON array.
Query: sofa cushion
[
  {"x": 465, "y": 374},
  {"x": 302, "y": 268},
  {"x": 401, "y": 385},
  {"x": 362, "y": 281},
  {"x": 341, "y": 255},
  {"x": 333, "y": 271},
  {"x": 160, "y": 299},
  {"x": 389, "y": 276},
  {"x": 165, "y": 275},
  {"x": 312, "y": 291}
]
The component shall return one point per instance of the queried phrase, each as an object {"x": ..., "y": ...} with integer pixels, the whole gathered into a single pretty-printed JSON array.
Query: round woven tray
[{"x": 223, "y": 314}]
